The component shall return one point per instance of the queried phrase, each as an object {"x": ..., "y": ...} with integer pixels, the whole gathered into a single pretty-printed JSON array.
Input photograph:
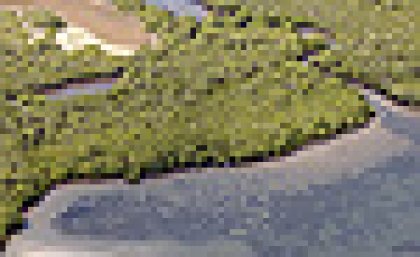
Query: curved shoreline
[
  {"x": 314, "y": 165},
  {"x": 322, "y": 153}
]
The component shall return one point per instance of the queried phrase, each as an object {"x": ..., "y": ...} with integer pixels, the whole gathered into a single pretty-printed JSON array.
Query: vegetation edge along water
[{"x": 262, "y": 101}]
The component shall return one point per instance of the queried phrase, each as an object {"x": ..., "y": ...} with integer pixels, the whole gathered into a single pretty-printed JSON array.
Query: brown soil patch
[{"x": 100, "y": 19}]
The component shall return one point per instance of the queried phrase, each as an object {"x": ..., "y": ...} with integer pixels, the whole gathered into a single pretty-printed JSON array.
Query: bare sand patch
[{"x": 96, "y": 22}]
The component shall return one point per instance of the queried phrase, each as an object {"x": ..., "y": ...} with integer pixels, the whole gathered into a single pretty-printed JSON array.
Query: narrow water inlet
[
  {"x": 89, "y": 84},
  {"x": 87, "y": 89}
]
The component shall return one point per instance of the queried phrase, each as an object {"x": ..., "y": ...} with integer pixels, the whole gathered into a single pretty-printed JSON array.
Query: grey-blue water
[
  {"x": 374, "y": 214},
  {"x": 181, "y": 7},
  {"x": 88, "y": 89}
]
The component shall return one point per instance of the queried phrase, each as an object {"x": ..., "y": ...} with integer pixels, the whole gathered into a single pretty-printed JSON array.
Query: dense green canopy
[{"x": 240, "y": 83}]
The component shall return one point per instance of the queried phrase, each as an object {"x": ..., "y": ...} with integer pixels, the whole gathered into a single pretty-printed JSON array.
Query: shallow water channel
[
  {"x": 344, "y": 205},
  {"x": 360, "y": 199}
]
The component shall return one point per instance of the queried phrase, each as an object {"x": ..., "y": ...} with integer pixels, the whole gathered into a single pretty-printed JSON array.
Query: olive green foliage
[
  {"x": 232, "y": 89},
  {"x": 377, "y": 41}
]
